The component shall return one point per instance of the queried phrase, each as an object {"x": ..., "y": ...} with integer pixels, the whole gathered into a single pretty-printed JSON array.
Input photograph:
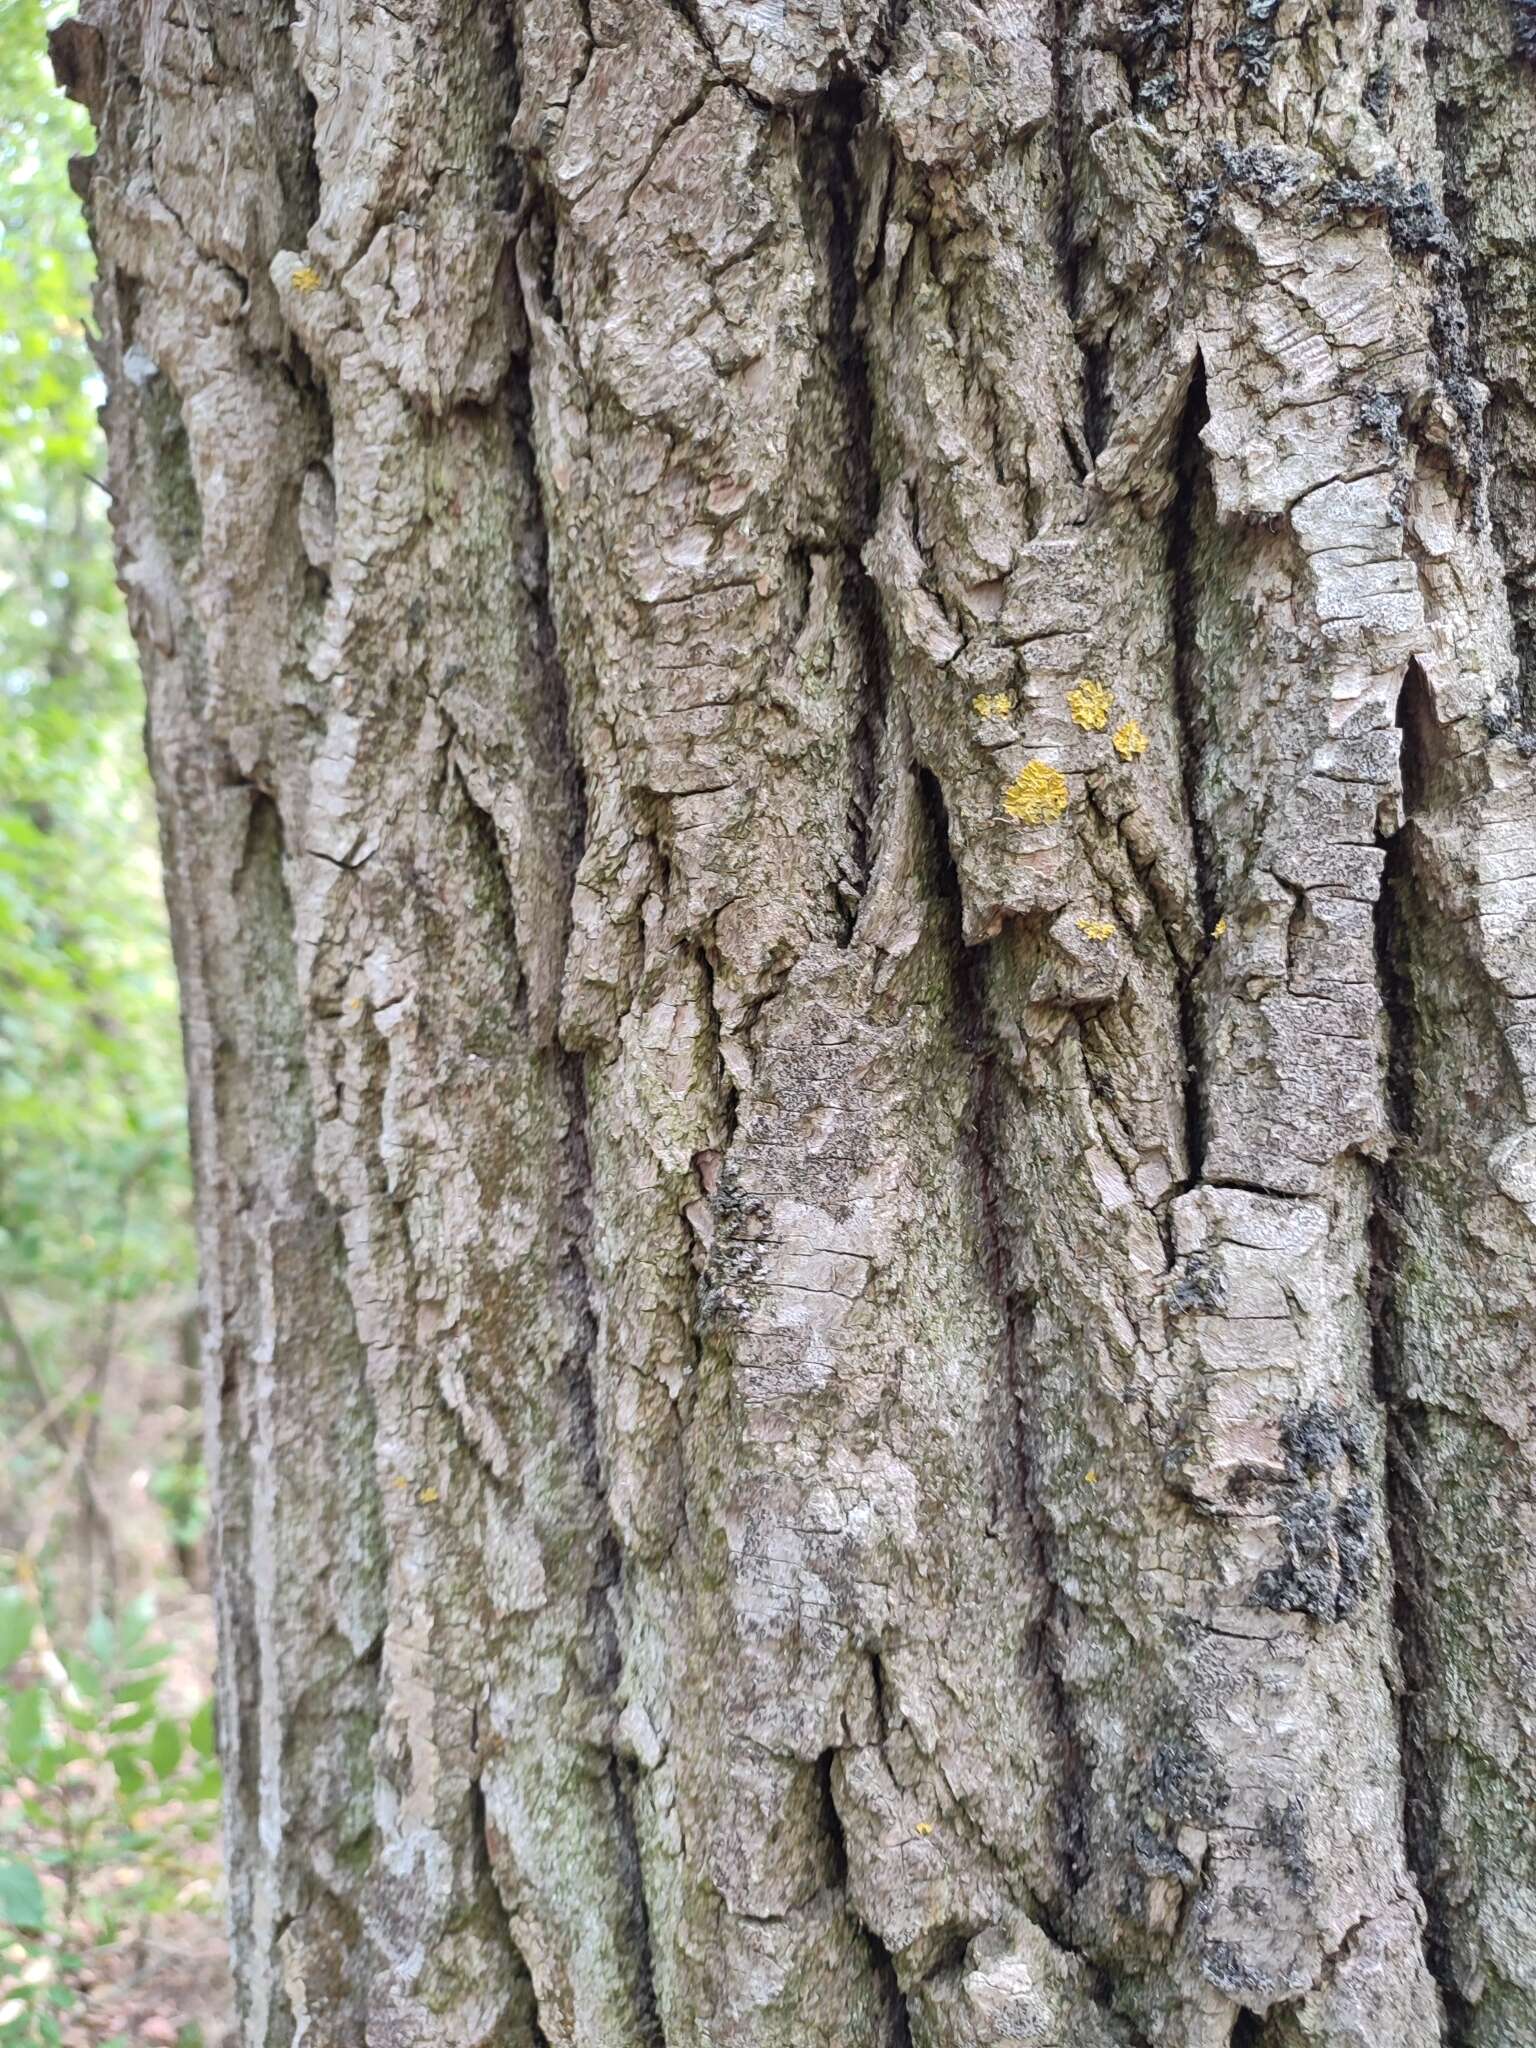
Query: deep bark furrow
[
  {"x": 1406, "y": 1503},
  {"x": 652, "y": 2032},
  {"x": 1190, "y": 478},
  {"x": 1015, "y": 1314},
  {"x": 830, "y": 131}
]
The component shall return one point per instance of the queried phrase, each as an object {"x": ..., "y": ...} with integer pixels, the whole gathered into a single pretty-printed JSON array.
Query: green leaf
[
  {"x": 85, "y": 1717},
  {"x": 145, "y": 1656},
  {"x": 165, "y": 1748},
  {"x": 24, "y": 1727},
  {"x": 138, "y": 1691},
  {"x": 18, "y": 1618},
  {"x": 86, "y": 1678},
  {"x": 100, "y": 1638},
  {"x": 130, "y": 1771},
  {"x": 21, "y": 1897},
  {"x": 200, "y": 1730}
]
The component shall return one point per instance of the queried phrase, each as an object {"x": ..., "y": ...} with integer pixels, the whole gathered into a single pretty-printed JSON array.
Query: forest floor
[{"x": 163, "y": 1976}]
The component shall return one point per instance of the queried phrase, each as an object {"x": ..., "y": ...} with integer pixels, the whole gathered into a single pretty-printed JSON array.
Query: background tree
[
  {"x": 92, "y": 1124},
  {"x": 840, "y": 702}
]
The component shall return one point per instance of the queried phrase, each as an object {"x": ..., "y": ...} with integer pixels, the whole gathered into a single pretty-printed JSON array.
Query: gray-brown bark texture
[{"x": 844, "y": 699}]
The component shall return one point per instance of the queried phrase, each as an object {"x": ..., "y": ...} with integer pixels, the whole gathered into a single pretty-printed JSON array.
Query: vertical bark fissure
[
  {"x": 553, "y": 697},
  {"x": 1094, "y": 355},
  {"x": 652, "y": 2026},
  {"x": 898, "y": 2023},
  {"x": 1190, "y": 480},
  {"x": 580, "y": 1217},
  {"x": 482, "y": 828},
  {"x": 1397, "y": 912},
  {"x": 306, "y": 1726},
  {"x": 485, "y": 1870},
  {"x": 833, "y": 191},
  {"x": 1015, "y": 1309}
]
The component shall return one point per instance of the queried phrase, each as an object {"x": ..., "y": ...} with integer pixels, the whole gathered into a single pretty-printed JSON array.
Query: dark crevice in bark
[
  {"x": 831, "y": 199},
  {"x": 489, "y": 1891},
  {"x": 503, "y": 75},
  {"x": 896, "y": 2031},
  {"x": 631, "y": 1869},
  {"x": 1398, "y": 912},
  {"x": 687, "y": 12},
  {"x": 563, "y": 796},
  {"x": 566, "y": 780},
  {"x": 564, "y": 783},
  {"x": 484, "y": 845},
  {"x": 831, "y": 1819},
  {"x": 1016, "y": 1310},
  {"x": 1093, "y": 354},
  {"x": 174, "y": 503},
  {"x": 730, "y": 1094},
  {"x": 261, "y": 1080},
  {"x": 894, "y": 18},
  {"x": 548, "y": 686},
  {"x": 1186, "y": 514},
  {"x": 877, "y": 1686}
]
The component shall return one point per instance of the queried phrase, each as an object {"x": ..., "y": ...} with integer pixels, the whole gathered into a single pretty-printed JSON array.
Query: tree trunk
[{"x": 843, "y": 705}]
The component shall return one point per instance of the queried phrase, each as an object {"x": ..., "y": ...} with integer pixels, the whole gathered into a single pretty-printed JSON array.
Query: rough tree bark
[{"x": 844, "y": 700}]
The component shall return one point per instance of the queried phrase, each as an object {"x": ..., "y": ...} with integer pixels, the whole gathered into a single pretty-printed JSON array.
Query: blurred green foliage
[
  {"x": 92, "y": 1143},
  {"x": 104, "y": 1789},
  {"x": 107, "y": 1784}
]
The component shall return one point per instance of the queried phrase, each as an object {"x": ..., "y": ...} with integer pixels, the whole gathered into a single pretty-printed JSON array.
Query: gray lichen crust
[{"x": 844, "y": 701}]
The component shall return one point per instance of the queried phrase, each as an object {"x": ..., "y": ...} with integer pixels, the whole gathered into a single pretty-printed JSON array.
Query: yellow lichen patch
[
  {"x": 1129, "y": 740},
  {"x": 306, "y": 278},
  {"x": 925, "y": 1827},
  {"x": 1089, "y": 705},
  {"x": 998, "y": 705},
  {"x": 1096, "y": 928},
  {"x": 1038, "y": 794},
  {"x": 427, "y": 1495},
  {"x": 1219, "y": 928}
]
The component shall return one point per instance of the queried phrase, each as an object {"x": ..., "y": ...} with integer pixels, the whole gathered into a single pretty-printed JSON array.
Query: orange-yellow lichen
[
  {"x": 1219, "y": 929},
  {"x": 306, "y": 278},
  {"x": 1129, "y": 740},
  {"x": 1038, "y": 794},
  {"x": 1096, "y": 928},
  {"x": 997, "y": 705},
  {"x": 924, "y": 1827},
  {"x": 1089, "y": 705}
]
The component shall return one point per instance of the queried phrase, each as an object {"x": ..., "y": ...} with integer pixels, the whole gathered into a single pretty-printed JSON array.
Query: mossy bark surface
[{"x": 844, "y": 704}]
